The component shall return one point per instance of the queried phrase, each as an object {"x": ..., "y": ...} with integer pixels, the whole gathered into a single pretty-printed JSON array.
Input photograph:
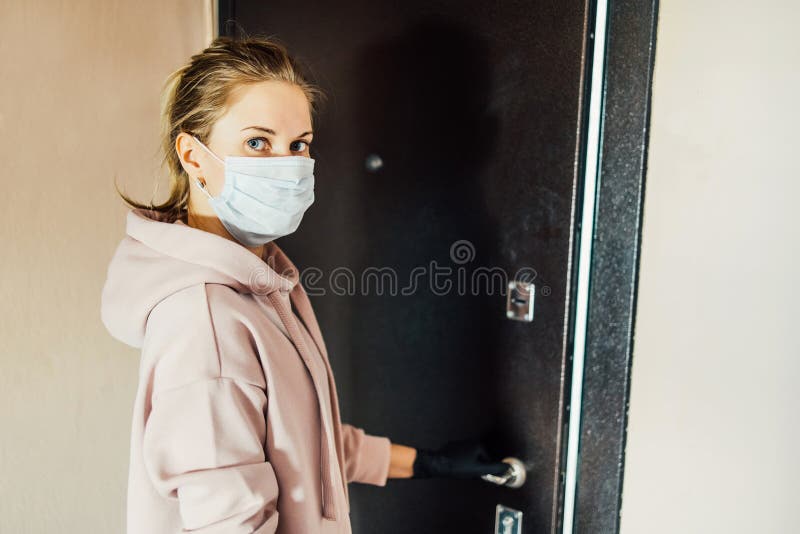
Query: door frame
[{"x": 609, "y": 306}]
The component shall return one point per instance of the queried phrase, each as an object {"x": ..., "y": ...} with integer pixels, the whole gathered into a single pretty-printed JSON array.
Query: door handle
[{"x": 513, "y": 478}]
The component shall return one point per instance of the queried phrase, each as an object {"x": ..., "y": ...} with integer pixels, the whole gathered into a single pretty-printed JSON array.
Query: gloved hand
[{"x": 465, "y": 458}]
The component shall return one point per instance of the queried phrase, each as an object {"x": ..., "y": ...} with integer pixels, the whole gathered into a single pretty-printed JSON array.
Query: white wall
[{"x": 714, "y": 439}]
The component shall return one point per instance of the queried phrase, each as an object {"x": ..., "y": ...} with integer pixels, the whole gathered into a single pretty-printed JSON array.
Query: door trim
[
  {"x": 584, "y": 263},
  {"x": 610, "y": 305}
]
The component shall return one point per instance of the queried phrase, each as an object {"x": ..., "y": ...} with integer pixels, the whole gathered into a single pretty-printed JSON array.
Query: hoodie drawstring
[
  {"x": 299, "y": 298},
  {"x": 289, "y": 322}
]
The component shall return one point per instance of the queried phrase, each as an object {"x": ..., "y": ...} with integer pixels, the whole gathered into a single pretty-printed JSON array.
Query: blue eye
[
  {"x": 253, "y": 143},
  {"x": 301, "y": 149}
]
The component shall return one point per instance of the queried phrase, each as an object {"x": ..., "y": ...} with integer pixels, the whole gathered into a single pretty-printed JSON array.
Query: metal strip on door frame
[
  {"x": 616, "y": 252},
  {"x": 589, "y": 201}
]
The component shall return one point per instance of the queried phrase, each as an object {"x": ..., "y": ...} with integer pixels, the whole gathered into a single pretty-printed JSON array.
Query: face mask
[{"x": 263, "y": 198}]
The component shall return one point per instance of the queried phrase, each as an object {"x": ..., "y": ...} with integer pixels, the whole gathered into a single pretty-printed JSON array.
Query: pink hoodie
[{"x": 236, "y": 425}]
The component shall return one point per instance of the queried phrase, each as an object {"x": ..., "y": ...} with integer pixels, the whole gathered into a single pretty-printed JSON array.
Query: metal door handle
[{"x": 513, "y": 478}]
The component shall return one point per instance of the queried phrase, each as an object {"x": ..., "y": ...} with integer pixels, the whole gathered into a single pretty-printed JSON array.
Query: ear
[{"x": 185, "y": 146}]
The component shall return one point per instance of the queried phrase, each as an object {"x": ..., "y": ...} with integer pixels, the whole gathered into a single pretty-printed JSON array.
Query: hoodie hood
[{"x": 158, "y": 257}]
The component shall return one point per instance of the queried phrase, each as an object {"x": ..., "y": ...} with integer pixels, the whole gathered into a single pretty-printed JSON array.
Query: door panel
[{"x": 475, "y": 111}]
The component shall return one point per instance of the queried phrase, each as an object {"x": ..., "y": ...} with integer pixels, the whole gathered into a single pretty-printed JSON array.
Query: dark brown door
[{"x": 450, "y": 140}]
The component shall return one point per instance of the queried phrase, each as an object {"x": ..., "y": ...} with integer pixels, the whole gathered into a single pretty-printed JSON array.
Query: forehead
[{"x": 278, "y": 105}]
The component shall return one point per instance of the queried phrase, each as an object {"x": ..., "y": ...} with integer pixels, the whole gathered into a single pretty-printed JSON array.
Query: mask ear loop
[
  {"x": 208, "y": 150},
  {"x": 196, "y": 181}
]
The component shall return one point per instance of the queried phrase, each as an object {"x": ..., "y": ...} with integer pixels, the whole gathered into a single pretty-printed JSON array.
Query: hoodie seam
[
  {"x": 213, "y": 329},
  {"x": 238, "y": 381},
  {"x": 258, "y": 354},
  {"x": 167, "y": 296}
]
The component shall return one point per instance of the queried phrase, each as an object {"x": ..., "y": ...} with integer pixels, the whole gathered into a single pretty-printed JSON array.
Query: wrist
[{"x": 402, "y": 461}]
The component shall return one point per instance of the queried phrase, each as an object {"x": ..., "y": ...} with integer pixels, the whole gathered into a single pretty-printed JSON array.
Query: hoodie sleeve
[
  {"x": 205, "y": 433},
  {"x": 366, "y": 457}
]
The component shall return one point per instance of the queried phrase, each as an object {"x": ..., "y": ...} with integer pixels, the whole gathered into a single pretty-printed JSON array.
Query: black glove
[{"x": 457, "y": 459}]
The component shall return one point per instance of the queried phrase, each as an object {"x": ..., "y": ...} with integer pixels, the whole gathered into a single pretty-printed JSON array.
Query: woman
[{"x": 236, "y": 425}]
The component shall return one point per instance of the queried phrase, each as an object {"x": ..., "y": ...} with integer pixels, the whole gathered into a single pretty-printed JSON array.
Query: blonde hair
[{"x": 194, "y": 97}]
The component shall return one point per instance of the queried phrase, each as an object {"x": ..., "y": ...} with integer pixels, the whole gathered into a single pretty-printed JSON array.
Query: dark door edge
[{"x": 629, "y": 58}]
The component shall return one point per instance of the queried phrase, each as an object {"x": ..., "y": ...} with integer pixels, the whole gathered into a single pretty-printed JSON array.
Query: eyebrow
[{"x": 272, "y": 132}]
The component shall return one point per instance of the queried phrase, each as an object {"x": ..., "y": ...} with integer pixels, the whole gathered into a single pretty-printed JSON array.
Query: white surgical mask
[{"x": 263, "y": 198}]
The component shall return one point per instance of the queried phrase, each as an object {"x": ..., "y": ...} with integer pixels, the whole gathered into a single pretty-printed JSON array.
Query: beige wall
[
  {"x": 78, "y": 104},
  {"x": 713, "y": 435}
]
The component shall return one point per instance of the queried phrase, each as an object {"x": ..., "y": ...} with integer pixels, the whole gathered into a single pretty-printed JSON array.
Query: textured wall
[
  {"x": 78, "y": 104},
  {"x": 713, "y": 419}
]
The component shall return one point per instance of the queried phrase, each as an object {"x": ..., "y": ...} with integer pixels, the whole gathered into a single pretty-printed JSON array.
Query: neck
[{"x": 213, "y": 225}]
